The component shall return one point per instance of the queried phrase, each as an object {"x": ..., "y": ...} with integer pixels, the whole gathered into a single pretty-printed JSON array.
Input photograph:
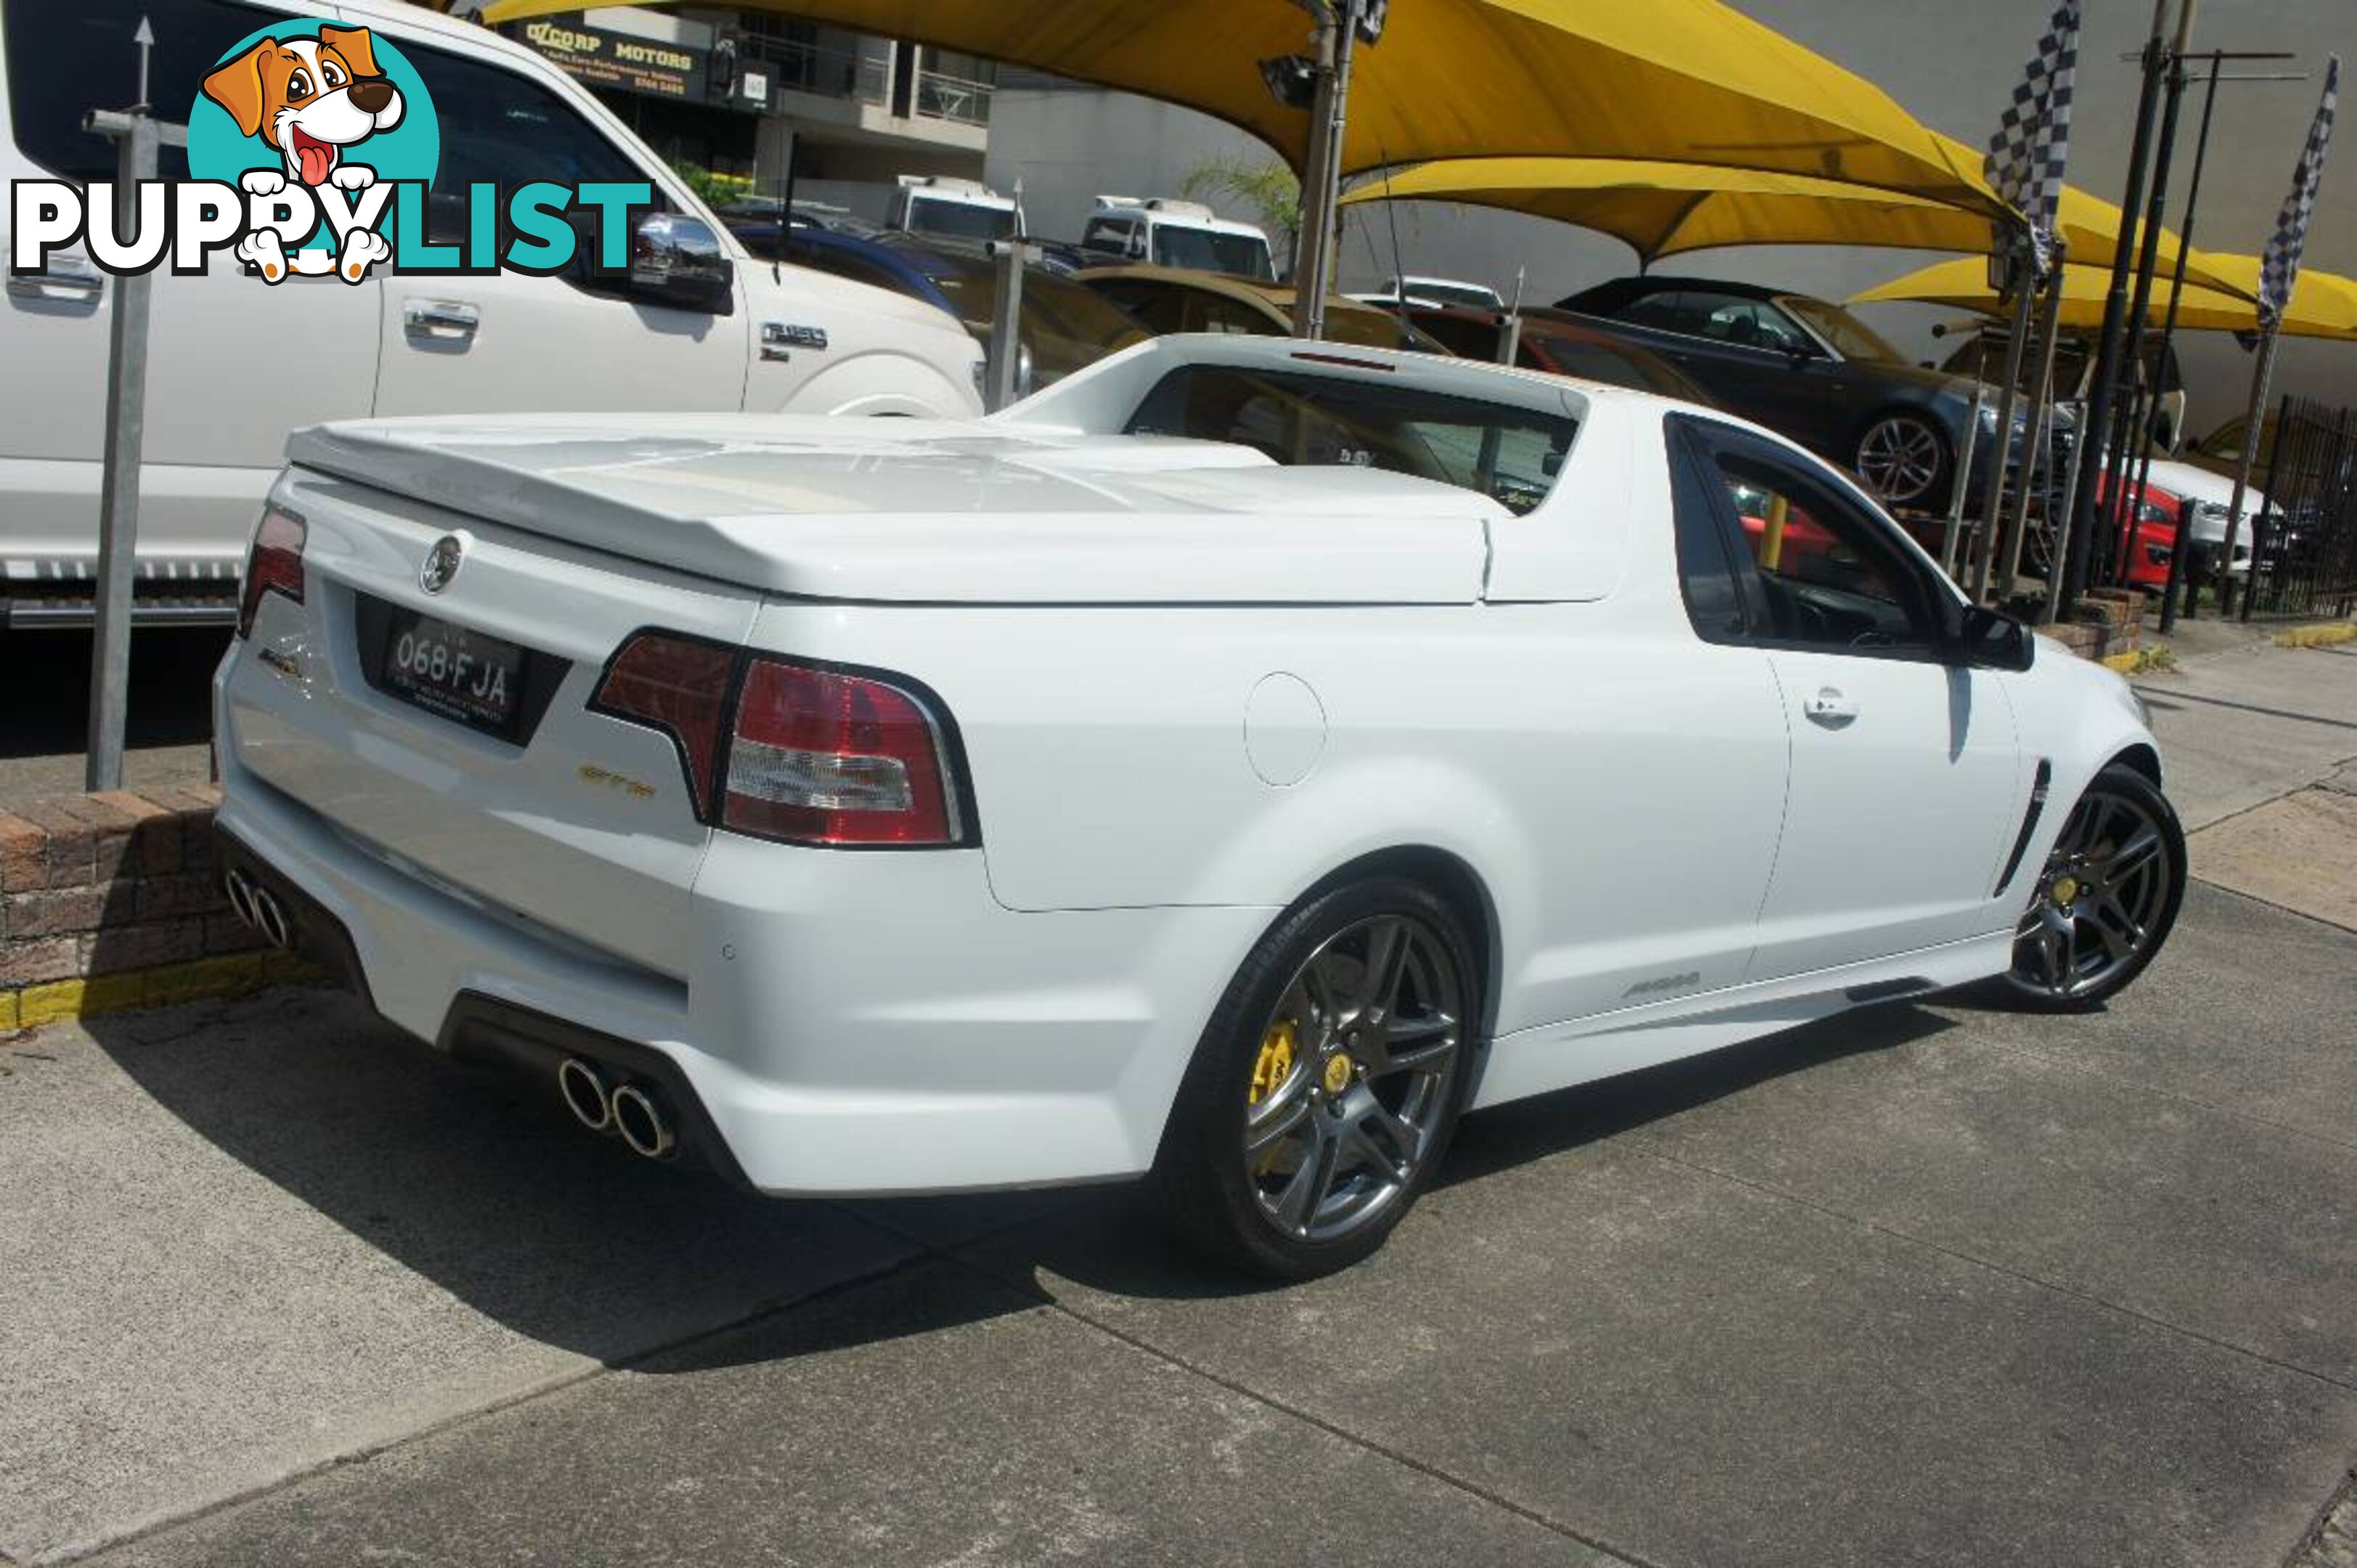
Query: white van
[
  {"x": 1171, "y": 234},
  {"x": 943, "y": 207},
  {"x": 233, "y": 365}
]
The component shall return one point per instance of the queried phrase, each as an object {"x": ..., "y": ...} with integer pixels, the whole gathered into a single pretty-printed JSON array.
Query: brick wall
[{"x": 109, "y": 901}]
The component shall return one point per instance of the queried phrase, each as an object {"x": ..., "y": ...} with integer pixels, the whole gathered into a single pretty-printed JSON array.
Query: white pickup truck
[
  {"x": 1229, "y": 762},
  {"x": 233, "y": 365}
]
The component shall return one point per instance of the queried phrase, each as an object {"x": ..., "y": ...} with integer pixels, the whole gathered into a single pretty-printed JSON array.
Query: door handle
[
  {"x": 76, "y": 284},
  {"x": 441, "y": 318},
  {"x": 1829, "y": 706}
]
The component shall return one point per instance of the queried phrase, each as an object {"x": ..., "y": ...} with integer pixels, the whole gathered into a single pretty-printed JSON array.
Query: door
[
  {"x": 1906, "y": 783},
  {"x": 513, "y": 342},
  {"x": 232, "y": 363},
  {"x": 1759, "y": 363}
]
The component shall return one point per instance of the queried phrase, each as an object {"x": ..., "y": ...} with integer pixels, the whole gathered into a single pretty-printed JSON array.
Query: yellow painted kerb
[
  {"x": 63, "y": 1001},
  {"x": 2322, "y": 635}
]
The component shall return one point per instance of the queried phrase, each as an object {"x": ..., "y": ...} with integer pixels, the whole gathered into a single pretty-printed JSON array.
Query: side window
[
  {"x": 1110, "y": 235},
  {"x": 68, "y": 57},
  {"x": 1661, "y": 311},
  {"x": 1705, "y": 568},
  {"x": 1816, "y": 568},
  {"x": 1746, "y": 322},
  {"x": 500, "y": 128}
]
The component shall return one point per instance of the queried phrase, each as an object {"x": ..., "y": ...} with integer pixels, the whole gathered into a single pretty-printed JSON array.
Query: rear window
[{"x": 1512, "y": 455}]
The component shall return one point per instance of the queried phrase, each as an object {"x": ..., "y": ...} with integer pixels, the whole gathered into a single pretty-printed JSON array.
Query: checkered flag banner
[
  {"x": 2032, "y": 147},
  {"x": 2279, "y": 271}
]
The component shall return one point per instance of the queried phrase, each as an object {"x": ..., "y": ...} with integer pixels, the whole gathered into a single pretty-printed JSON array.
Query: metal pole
[
  {"x": 1005, "y": 351},
  {"x": 137, "y": 139},
  {"x": 2008, "y": 395},
  {"x": 2041, "y": 425},
  {"x": 1329, "y": 115},
  {"x": 2261, "y": 380},
  {"x": 2176, "y": 583},
  {"x": 2054, "y": 568},
  {"x": 2115, "y": 304},
  {"x": 2132, "y": 418},
  {"x": 1963, "y": 480}
]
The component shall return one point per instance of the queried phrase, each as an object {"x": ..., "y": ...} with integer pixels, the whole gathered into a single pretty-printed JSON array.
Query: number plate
[{"x": 463, "y": 675}]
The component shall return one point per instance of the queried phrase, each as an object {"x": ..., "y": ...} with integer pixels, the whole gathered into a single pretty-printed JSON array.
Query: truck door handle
[
  {"x": 56, "y": 285},
  {"x": 441, "y": 318},
  {"x": 1830, "y": 707}
]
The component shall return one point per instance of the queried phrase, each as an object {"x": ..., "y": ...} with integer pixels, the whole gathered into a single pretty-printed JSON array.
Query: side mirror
[
  {"x": 677, "y": 261},
  {"x": 1989, "y": 639}
]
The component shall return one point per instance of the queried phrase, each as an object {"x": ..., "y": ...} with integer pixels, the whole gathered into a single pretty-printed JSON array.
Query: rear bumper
[{"x": 851, "y": 1024}]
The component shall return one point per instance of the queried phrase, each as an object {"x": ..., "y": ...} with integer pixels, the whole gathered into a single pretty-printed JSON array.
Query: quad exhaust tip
[
  {"x": 258, "y": 907},
  {"x": 630, "y": 1111},
  {"x": 642, "y": 1122},
  {"x": 585, "y": 1094}
]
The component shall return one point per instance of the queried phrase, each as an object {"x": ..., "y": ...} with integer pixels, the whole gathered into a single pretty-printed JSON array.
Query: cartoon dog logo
[{"x": 309, "y": 100}]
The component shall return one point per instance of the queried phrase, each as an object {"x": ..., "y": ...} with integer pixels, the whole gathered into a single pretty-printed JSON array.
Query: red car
[{"x": 2147, "y": 543}]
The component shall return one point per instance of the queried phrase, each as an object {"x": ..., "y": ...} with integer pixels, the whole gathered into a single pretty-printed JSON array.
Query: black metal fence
[{"x": 2304, "y": 553}]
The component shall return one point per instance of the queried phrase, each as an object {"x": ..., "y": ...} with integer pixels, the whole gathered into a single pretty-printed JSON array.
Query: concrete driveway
[{"x": 1928, "y": 1284}]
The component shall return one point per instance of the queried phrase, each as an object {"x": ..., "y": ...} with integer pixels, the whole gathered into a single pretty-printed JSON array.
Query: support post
[
  {"x": 2116, "y": 305},
  {"x": 2176, "y": 584},
  {"x": 1321, "y": 182},
  {"x": 2132, "y": 419},
  {"x": 2041, "y": 426},
  {"x": 2055, "y": 568},
  {"x": 1961, "y": 484},
  {"x": 1005, "y": 355},
  {"x": 2261, "y": 380},
  {"x": 137, "y": 139},
  {"x": 2008, "y": 397}
]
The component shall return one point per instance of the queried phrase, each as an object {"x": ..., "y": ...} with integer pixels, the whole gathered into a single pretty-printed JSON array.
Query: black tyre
[
  {"x": 2106, "y": 900},
  {"x": 1326, "y": 1086},
  {"x": 1905, "y": 458}
]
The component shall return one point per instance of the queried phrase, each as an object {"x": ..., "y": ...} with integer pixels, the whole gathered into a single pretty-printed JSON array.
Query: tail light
[
  {"x": 274, "y": 564},
  {"x": 794, "y": 752},
  {"x": 678, "y": 685}
]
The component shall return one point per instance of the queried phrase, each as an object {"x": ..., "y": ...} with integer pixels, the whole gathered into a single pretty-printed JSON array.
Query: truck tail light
[
  {"x": 792, "y": 752},
  {"x": 678, "y": 685},
  {"x": 274, "y": 566}
]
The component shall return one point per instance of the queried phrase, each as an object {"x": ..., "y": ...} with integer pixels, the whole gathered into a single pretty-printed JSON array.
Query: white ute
[{"x": 1229, "y": 763}]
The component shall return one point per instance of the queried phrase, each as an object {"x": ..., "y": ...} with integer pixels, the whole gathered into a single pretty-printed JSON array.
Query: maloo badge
[{"x": 442, "y": 563}]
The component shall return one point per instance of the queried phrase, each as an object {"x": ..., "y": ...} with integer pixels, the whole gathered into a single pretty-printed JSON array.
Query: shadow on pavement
[{"x": 480, "y": 1182}]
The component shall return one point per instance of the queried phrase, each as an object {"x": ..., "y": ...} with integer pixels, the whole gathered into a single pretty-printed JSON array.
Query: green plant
[
  {"x": 1268, "y": 188},
  {"x": 715, "y": 189}
]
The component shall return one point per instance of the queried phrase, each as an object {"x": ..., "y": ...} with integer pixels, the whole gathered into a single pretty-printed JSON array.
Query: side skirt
[{"x": 1549, "y": 1057}]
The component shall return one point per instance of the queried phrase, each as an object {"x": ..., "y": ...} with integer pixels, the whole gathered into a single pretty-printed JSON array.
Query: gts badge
[
  {"x": 1665, "y": 985},
  {"x": 606, "y": 779}
]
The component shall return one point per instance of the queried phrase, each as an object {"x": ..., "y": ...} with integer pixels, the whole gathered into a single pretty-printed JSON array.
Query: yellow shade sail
[
  {"x": 1667, "y": 209},
  {"x": 2320, "y": 307},
  {"x": 1687, "y": 80}
]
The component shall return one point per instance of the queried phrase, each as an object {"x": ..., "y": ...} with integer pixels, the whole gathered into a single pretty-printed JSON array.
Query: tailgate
[{"x": 502, "y": 787}]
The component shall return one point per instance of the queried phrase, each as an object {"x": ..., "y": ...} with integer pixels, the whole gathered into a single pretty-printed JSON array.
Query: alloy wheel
[
  {"x": 1899, "y": 457},
  {"x": 1353, "y": 1088},
  {"x": 2103, "y": 901}
]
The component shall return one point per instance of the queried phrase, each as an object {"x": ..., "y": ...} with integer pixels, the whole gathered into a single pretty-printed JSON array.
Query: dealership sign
[
  {"x": 616, "y": 59},
  {"x": 313, "y": 149}
]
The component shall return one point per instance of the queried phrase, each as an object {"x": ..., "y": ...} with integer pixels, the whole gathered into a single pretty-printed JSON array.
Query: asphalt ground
[{"x": 1927, "y": 1284}]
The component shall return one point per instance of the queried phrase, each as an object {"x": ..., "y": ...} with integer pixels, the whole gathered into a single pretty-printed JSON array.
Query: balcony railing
[{"x": 867, "y": 78}]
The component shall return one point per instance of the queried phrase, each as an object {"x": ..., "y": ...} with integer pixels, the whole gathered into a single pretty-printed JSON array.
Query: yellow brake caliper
[{"x": 1276, "y": 1063}]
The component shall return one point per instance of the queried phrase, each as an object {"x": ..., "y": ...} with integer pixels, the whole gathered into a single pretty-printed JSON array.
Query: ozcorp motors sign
[{"x": 313, "y": 149}]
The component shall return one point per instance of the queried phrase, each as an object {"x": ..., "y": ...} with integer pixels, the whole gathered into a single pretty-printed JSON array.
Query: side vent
[{"x": 2028, "y": 825}]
